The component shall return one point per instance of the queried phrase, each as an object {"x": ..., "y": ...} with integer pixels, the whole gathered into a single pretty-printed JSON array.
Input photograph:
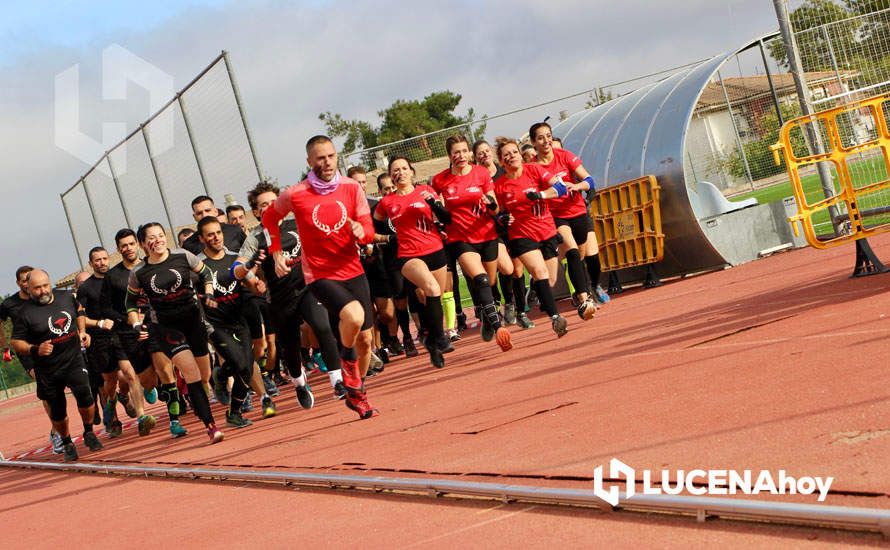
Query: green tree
[
  {"x": 12, "y": 373},
  {"x": 402, "y": 120},
  {"x": 814, "y": 51}
]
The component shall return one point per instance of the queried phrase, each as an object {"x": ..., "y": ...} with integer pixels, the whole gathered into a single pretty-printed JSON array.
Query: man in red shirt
[{"x": 332, "y": 217}]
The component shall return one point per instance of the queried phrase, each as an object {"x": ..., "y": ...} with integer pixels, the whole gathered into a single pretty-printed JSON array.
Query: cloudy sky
[{"x": 296, "y": 59}]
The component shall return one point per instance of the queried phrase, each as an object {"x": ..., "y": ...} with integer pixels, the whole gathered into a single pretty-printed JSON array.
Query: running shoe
[
  {"x": 383, "y": 354},
  {"x": 319, "y": 361},
  {"x": 177, "y": 429},
  {"x": 444, "y": 344},
  {"x": 129, "y": 408},
  {"x": 235, "y": 420},
  {"x": 531, "y": 299},
  {"x": 510, "y": 314},
  {"x": 395, "y": 347},
  {"x": 151, "y": 397},
  {"x": 376, "y": 363},
  {"x": 91, "y": 441},
  {"x": 269, "y": 385},
  {"x": 108, "y": 413},
  {"x": 461, "y": 321},
  {"x": 453, "y": 335},
  {"x": 339, "y": 390},
  {"x": 560, "y": 325},
  {"x": 410, "y": 349},
  {"x": 70, "y": 452},
  {"x": 587, "y": 309},
  {"x": 55, "y": 440},
  {"x": 504, "y": 339},
  {"x": 487, "y": 332},
  {"x": 214, "y": 433},
  {"x": 220, "y": 389},
  {"x": 146, "y": 423},
  {"x": 269, "y": 409},
  {"x": 524, "y": 322},
  {"x": 357, "y": 400},
  {"x": 115, "y": 429},
  {"x": 247, "y": 406},
  {"x": 278, "y": 379},
  {"x": 436, "y": 358},
  {"x": 601, "y": 295},
  {"x": 305, "y": 397}
]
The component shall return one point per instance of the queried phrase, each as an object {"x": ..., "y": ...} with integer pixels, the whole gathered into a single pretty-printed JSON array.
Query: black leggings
[
  {"x": 287, "y": 319},
  {"x": 234, "y": 345}
]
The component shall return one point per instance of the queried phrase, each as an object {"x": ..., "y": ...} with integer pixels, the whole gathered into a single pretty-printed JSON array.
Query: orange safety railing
[
  {"x": 627, "y": 221},
  {"x": 848, "y": 194}
]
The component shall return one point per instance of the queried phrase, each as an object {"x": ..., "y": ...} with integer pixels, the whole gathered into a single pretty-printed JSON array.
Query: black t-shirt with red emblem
[
  {"x": 292, "y": 285},
  {"x": 56, "y": 322},
  {"x": 168, "y": 285}
]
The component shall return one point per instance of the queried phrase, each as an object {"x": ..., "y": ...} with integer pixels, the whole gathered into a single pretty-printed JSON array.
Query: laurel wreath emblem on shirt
[
  {"x": 295, "y": 251},
  {"x": 219, "y": 288},
  {"x": 57, "y": 331},
  {"x": 163, "y": 292},
  {"x": 344, "y": 216}
]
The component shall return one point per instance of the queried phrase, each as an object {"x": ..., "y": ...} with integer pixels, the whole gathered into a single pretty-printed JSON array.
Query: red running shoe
[
  {"x": 357, "y": 400},
  {"x": 503, "y": 338}
]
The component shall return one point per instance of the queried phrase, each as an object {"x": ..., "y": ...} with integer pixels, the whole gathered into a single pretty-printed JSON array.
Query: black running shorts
[
  {"x": 488, "y": 250},
  {"x": 549, "y": 247},
  {"x": 579, "y": 225},
  {"x": 334, "y": 295}
]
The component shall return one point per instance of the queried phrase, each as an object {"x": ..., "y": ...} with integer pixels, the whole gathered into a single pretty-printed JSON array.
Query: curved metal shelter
[{"x": 644, "y": 133}]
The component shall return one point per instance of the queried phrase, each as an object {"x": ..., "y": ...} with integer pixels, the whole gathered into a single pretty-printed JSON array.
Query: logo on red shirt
[{"x": 325, "y": 228}]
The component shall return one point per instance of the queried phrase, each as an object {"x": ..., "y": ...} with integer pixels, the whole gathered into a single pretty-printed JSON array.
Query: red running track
[{"x": 776, "y": 364}]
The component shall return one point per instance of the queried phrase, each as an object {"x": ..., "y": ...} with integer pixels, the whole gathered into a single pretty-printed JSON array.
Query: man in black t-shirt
[
  {"x": 229, "y": 328},
  {"x": 52, "y": 330},
  {"x": 202, "y": 206},
  {"x": 8, "y": 310}
]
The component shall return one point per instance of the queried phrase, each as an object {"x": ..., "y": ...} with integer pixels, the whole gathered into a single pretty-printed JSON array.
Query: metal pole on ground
[
  {"x": 71, "y": 229},
  {"x": 154, "y": 170},
  {"x": 814, "y": 140},
  {"x": 237, "y": 91},
  {"x": 188, "y": 129}
]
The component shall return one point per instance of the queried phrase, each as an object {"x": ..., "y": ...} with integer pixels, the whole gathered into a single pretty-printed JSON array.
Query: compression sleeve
[
  {"x": 134, "y": 290},
  {"x": 441, "y": 213}
]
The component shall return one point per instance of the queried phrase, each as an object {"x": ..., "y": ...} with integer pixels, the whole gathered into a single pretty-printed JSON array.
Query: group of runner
[{"x": 327, "y": 280}]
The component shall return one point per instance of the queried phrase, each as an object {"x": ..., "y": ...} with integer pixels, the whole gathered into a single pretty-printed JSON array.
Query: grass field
[{"x": 863, "y": 172}]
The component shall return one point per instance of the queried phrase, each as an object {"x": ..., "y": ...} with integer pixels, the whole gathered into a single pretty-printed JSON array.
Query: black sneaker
[
  {"x": 487, "y": 332},
  {"x": 436, "y": 357},
  {"x": 383, "y": 354},
  {"x": 278, "y": 379},
  {"x": 70, "y": 452},
  {"x": 91, "y": 441},
  {"x": 116, "y": 429},
  {"x": 395, "y": 348},
  {"x": 339, "y": 390},
  {"x": 560, "y": 325},
  {"x": 305, "y": 397},
  {"x": 410, "y": 350},
  {"x": 269, "y": 385},
  {"x": 461, "y": 321},
  {"x": 235, "y": 420},
  {"x": 445, "y": 344}
]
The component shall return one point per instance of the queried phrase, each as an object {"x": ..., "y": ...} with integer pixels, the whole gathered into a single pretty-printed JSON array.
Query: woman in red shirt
[
  {"x": 570, "y": 214},
  {"x": 412, "y": 212},
  {"x": 511, "y": 273},
  {"x": 466, "y": 190},
  {"x": 521, "y": 194}
]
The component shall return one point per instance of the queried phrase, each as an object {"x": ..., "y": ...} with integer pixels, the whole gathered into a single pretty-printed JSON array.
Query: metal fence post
[
  {"x": 772, "y": 87},
  {"x": 188, "y": 129},
  {"x": 812, "y": 137},
  {"x": 117, "y": 187},
  {"x": 154, "y": 170},
  {"x": 86, "y": 190},
  {"x": 735, "y": 128},
  {"x": 71, "y": 229},
  {"x": 237, "y": 92}
]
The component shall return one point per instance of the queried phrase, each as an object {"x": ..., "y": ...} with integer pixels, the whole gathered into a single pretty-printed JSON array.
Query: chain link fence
[
  {"x": 199, "y": 143},
  {"x": 845, "y": 55}
]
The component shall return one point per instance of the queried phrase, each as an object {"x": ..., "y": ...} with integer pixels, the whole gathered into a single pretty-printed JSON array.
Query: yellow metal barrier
[
  {"x": 848, "y": 194},
  {"x": 627, "y": 221}
]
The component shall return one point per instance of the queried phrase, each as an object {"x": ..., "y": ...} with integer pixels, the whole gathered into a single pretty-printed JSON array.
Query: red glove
[{"x": 7, "y": 355}]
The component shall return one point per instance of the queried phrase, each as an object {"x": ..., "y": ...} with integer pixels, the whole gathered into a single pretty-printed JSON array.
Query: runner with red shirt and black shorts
[
  {"x": 413, "y": 212},
  {"x": 466, "y": 190},
  {"x": 533, "y": 237},
  {"x": 570, "y": 214},
  {"x": 332, "y": 217}
]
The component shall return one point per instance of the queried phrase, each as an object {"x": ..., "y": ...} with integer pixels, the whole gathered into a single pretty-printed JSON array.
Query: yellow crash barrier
[
  {"x": 848, "y": 195},
  {"x": 627, "y": 221}
]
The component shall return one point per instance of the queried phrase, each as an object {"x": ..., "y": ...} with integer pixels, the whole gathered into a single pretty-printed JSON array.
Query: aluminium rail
[{"x": 836, "y": 517}]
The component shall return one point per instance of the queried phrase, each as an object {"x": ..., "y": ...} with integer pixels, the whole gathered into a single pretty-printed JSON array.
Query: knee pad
[
  {"x": 481, "y": 281},
  {"x": 58, "y": 410},
  {"x": 573, "y": 255}
]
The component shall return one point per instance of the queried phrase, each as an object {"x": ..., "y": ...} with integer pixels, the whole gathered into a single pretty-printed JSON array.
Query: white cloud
[{"x": 293, "y": 62}]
